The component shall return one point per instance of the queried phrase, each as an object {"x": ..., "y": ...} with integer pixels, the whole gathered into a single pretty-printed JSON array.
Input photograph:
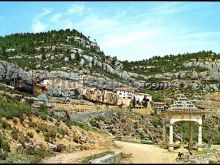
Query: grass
[
  {"x": 87, "y": 159},
  {"x": 25, "y": 157},
  {"x": 85, "y": 126},
  {"x": 14, "y": 109}
]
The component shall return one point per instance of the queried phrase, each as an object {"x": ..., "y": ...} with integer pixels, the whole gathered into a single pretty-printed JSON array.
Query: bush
[
  {"x": 44, "y": 117},
  {"x": 32, "y": 124},
  {"x": 62, "y": 131},
  {"x": 3, "y": 155},
  {"x": 4, "y": 145},
  {"x": 51, "y": 133},
  {"x": 14, "y": 134},
  {"x": 14, "y": 109},
  {"x": 47, "y": 139},
  {"x": 59, "y": 148},
  {"x": 57, "y": 124},
  {"x": 23, "y": 139},
  {"x": 51, "y": 119},
  {"x": 5, "y": 125},
  {"x": 30, "y": 134},
  {"x": 39, "y": 153},
  {"x": 37, "y": 130},
  {"x": 15, "y": 120},
  {"x": 94, "y": 124}
]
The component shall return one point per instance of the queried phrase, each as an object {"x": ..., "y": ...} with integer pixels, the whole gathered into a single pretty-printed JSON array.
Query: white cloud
[
  {"x": 45, "y": 12},
  {"x": 75, "y": 9},
  {"x": 68, "y": 25},
  {"x": 133, "y": 36},
  {"x": 38, "y": 26},
  {"x": 130, "y": 38},
  {"x": 55, "y": 18}
]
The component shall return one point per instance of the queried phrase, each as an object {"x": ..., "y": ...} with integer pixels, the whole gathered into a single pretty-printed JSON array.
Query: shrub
[
  {"x": 94, "y": 124},
  {"x": 51, "y": 119},
  {"x": 32, "y": 124},
  {"x": 51, "y": 133},
  {"x": 59, "y": 148},
  {"x": 14, "y": 134},
  {"x": 37, "y": 130},
  {"x": 5, "y": 125},
  {"x": 30, "y": 134},
  {"x": 15, "y": 120},
  {"x": 14, "y": 109},
  {"x": 4, "y": 144},
  {"x": 62, "y": 131},
  {"x": 47, "y": 139},
  {"x": 57, "y": 124},
  {"x": 44, "y": 117},
  {"x": 23, "y": 139},
  {"x": 3, "y": 155}
]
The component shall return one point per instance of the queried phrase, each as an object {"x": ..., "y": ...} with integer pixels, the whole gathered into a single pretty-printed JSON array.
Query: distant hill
[{"x": 71, "y": 51}]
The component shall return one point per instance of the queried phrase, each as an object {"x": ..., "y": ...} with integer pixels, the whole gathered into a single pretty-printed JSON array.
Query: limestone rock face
[
  {"x": 82, "y": 62},
  {"x": 9, "y": 71},
  {"x": 97, "y": 95},
  {"x": 125, "y": 75}
]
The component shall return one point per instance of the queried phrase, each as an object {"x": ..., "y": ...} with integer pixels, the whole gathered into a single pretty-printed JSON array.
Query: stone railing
[{"x": 108, "y": 159}]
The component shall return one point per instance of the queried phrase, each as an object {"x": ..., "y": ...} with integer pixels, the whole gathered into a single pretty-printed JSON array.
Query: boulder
[
  {"x": 125, "y": 75},
  {"x": 82, "y": 62},
  {"x": 72, "y": 56},
  {"x": 43, "y": 98},
  {"x": 66, "y": 59}
]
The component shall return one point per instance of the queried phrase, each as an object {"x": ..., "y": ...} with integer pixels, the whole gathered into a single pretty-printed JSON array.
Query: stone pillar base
[
  {"x": 182, "y": 145},
  {"x": 164, "y": 145},
  {"x": 199, "y": 147},
  {"x": 171, "y": 147}
]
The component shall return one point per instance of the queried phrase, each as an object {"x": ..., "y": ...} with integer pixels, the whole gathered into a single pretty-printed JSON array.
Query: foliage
[{"x": 14, "y": 109}]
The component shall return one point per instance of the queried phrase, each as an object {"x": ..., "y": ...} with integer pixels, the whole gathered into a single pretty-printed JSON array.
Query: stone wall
[
  {"x": 206, "y": 158},
  {"x": 108, "y": 159}
]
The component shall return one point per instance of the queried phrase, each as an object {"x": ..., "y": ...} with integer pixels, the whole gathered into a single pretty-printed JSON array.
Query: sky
[{"x": 129, "y": 30}]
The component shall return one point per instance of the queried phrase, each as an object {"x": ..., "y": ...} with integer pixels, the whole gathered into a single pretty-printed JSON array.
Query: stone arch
[
  {"x": 173, "y": 121},
  {"x": 193, "y": 119}
]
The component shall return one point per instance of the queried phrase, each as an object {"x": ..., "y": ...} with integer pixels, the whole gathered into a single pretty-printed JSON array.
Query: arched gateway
[{"x": 182, "y": 110}]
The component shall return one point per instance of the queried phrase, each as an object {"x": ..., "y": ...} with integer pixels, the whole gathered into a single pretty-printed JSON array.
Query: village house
[
  {"x": 140, "y": 96},
  {"x": 126, "y": 93},
  {"x": 159, "y": 105}
]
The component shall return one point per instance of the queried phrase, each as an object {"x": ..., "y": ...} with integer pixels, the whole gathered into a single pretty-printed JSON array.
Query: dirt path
[
  {"x": 141, "y": 153},
  {"x": 74, "y": 157},
  {"x": 144, "y": 153}
]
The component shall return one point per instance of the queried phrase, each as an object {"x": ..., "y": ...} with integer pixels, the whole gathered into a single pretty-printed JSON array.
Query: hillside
[
  {"x": 79, "y": 110},
  {"x": 71, "y": 51},
  {"x": 29, "y": 134}
]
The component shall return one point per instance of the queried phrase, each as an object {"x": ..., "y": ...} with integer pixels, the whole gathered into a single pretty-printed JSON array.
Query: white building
[
  {"x": 140, "y": 96},
  {"x": 129, "y": 93},
  {"x": 126, "y": 93}
]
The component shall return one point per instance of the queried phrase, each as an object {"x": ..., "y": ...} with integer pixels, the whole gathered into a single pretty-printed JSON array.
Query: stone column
[
  {"x": 171, "y": 147},
  {"x": 164, "y": 131},
  {"x": 200, "y": 137},
  {"x": 190, "y": 135}
]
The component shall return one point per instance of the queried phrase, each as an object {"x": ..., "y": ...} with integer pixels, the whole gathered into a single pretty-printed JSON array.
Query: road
[{"x": 145, "y": 153}]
